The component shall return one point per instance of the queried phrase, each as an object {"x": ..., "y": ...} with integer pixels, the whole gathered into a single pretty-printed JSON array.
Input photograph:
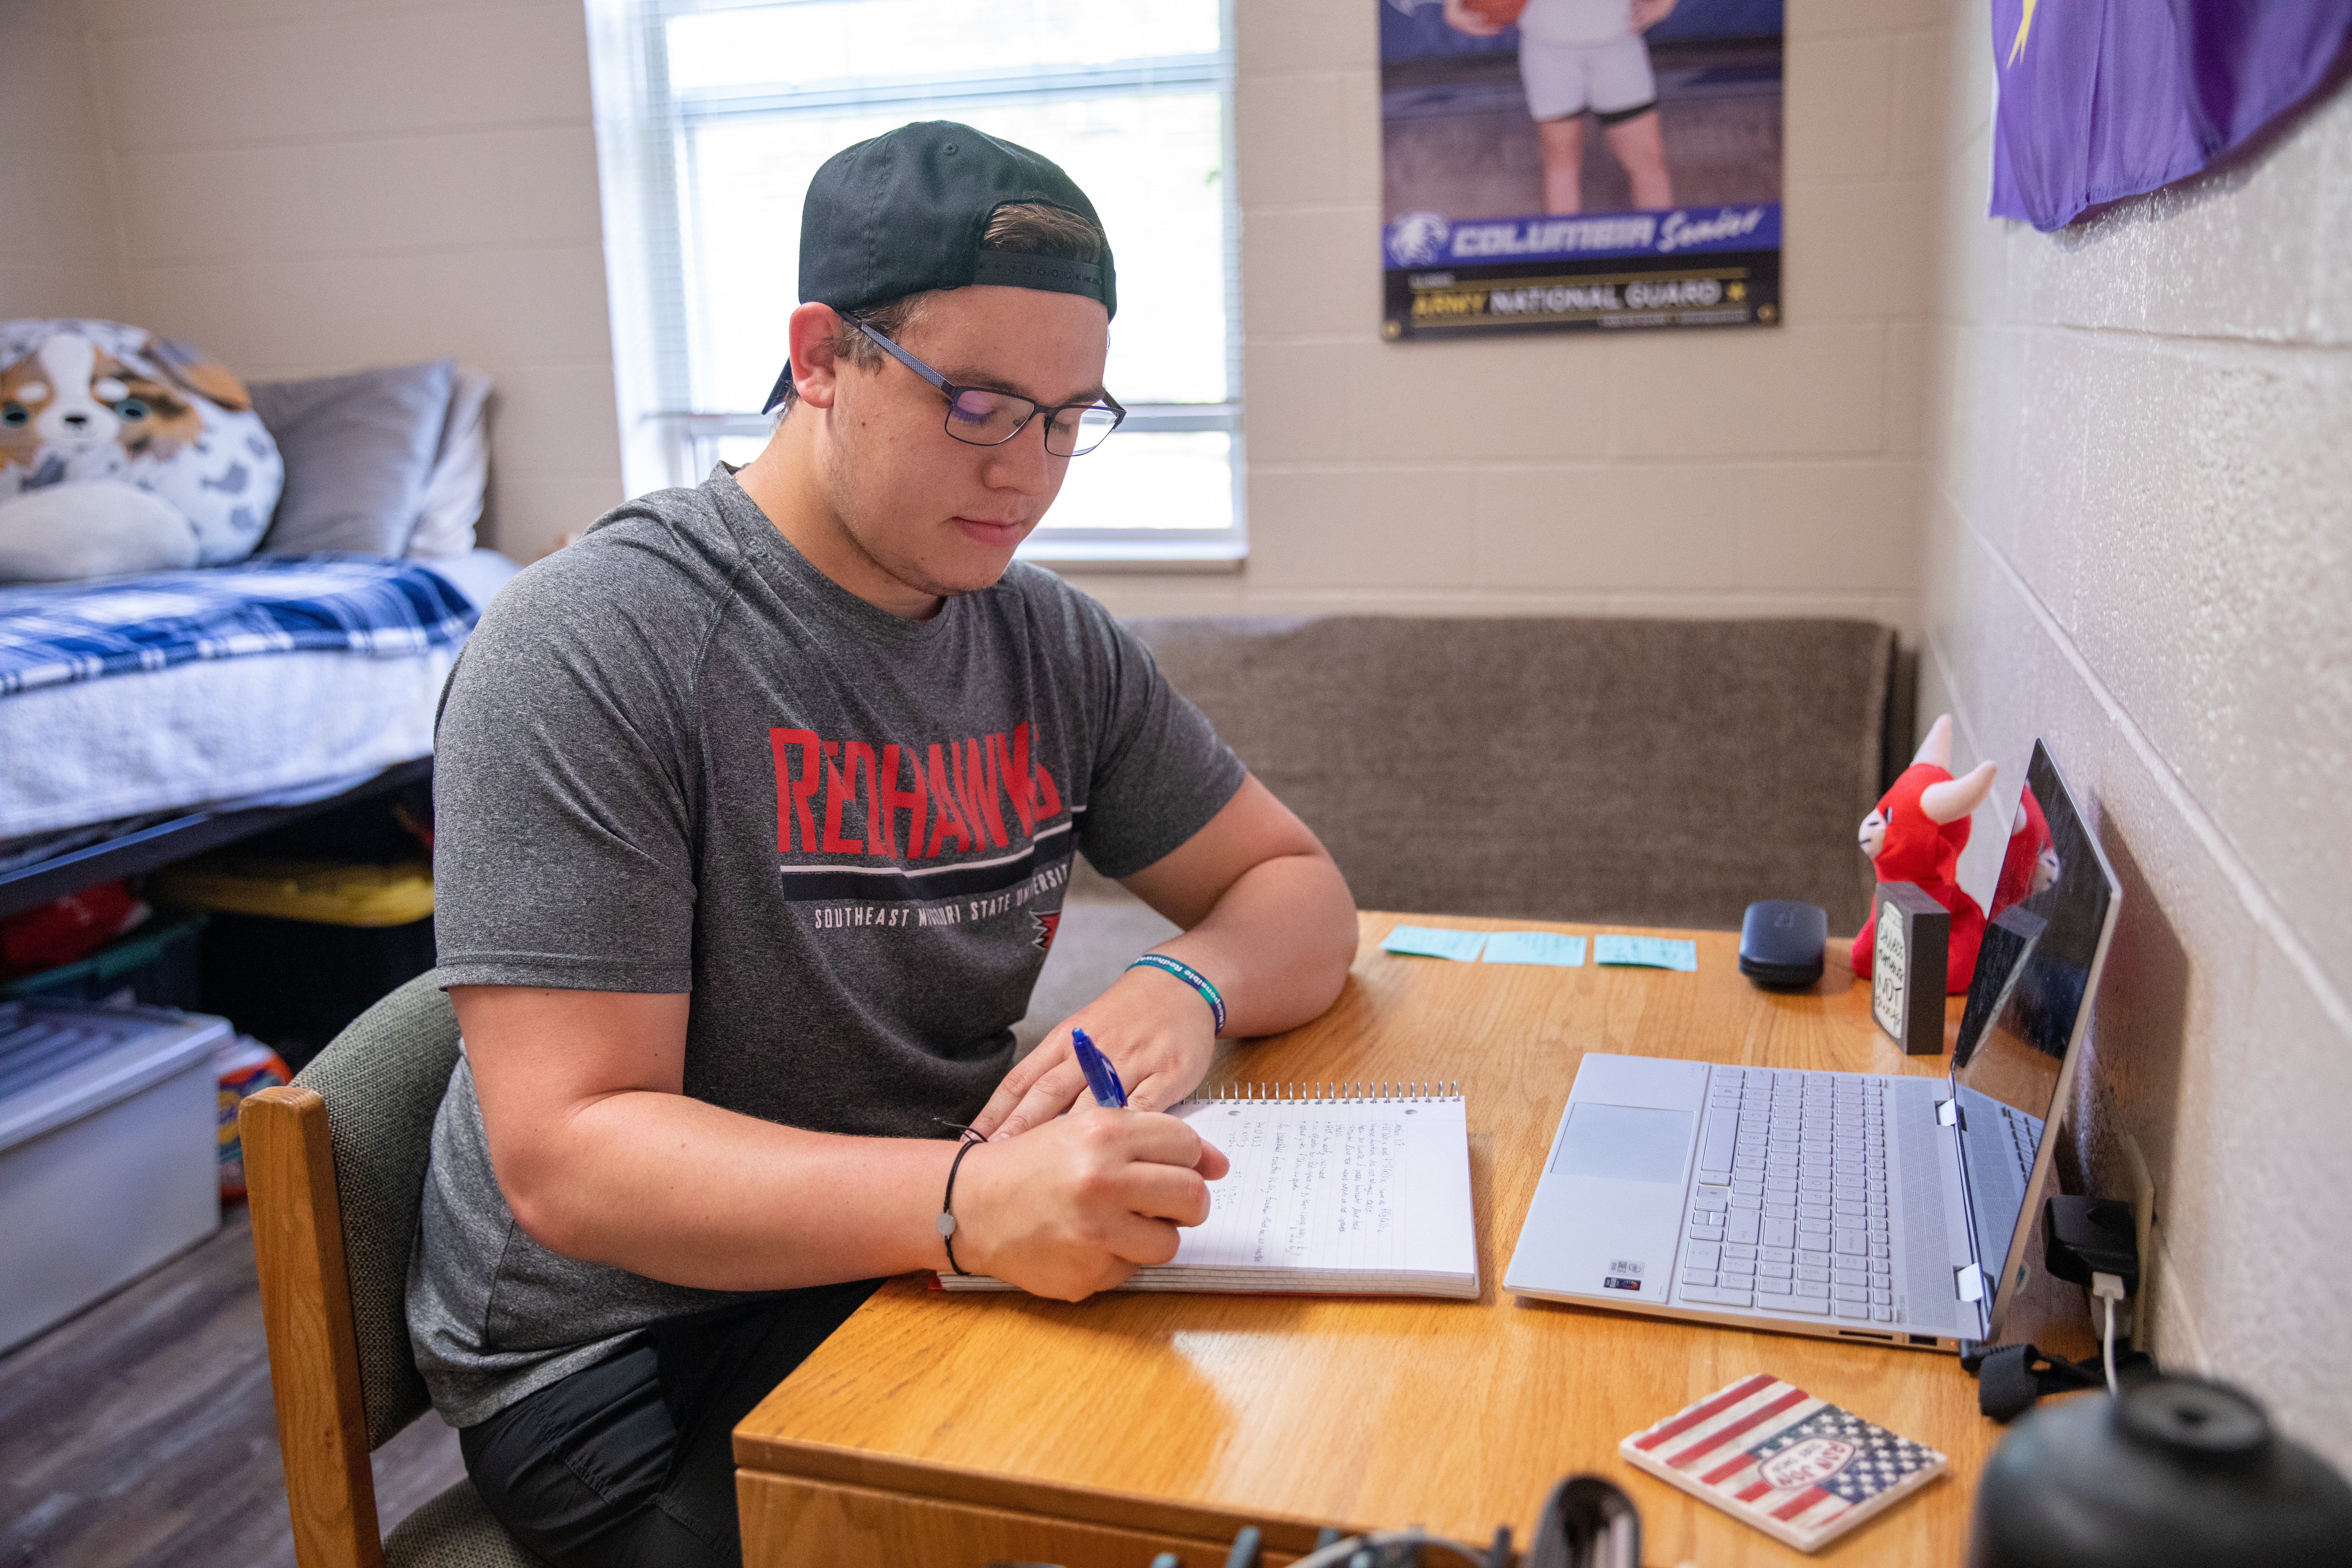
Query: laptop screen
[{"x": 2052, "y": 911}]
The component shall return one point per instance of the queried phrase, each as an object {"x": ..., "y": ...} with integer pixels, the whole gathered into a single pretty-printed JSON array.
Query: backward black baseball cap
[{"x": 907, "y": 212}]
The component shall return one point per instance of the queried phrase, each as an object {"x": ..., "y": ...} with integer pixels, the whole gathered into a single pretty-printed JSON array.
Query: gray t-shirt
[{"x": 675, "y": 757}]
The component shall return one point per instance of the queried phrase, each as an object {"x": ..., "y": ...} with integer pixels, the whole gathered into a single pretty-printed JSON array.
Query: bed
[{"x": 142, "y": 719}]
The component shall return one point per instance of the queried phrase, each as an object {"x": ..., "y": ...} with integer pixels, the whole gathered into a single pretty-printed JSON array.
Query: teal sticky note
[
  {"x": 1534, "y": 947},
  {"x": 1431, "y": 941},
  {"x": 1650, "y": 952}
]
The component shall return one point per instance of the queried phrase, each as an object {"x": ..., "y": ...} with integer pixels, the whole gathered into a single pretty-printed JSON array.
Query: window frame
[{"x": 644, "y": 128}]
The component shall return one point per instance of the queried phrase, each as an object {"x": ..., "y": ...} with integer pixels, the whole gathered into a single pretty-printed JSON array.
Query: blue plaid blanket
[{"x": 53, "y": 633}]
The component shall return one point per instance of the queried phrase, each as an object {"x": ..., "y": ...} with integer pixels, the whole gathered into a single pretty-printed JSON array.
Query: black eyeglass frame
[{"x": 952, "y": 391}]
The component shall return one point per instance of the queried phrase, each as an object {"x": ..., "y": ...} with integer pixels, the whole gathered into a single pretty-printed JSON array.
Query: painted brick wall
[
  {"x": 306, "y": 189},
  {"x": 2140, "y": 549},
  {"x": 59, "y": 251},
  {"x": 1750, "y": 472}
]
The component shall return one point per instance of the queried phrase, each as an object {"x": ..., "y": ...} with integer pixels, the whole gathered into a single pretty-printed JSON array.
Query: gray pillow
[
  {"x": 452, "y": 497},
  {"x": 359, "y": 451}
]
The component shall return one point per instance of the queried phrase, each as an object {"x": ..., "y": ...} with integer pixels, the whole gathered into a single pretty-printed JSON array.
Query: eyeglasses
[{"x": 979, "y": 417}]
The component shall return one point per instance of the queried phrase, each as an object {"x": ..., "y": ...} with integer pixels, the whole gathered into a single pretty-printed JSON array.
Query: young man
[{"x": 755, "y": 809}]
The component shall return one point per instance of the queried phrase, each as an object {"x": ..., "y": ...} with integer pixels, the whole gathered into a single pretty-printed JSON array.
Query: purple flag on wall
[{"x": 2105, "y": 99}]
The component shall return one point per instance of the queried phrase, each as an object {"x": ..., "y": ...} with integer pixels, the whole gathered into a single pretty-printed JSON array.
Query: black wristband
[{"x": 947, "y": 1220}]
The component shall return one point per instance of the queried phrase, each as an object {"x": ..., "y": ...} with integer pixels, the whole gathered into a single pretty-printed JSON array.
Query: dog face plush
[
  {"x": 71, "y": 397},
  {"x": 122, "y": 452}
]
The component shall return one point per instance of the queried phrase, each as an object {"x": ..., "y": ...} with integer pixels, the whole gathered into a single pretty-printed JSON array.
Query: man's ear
[{"x": 812, "y": 330}]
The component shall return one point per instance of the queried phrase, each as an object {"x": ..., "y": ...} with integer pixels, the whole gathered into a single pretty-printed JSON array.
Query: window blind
[{"x": 711, "y": 115}]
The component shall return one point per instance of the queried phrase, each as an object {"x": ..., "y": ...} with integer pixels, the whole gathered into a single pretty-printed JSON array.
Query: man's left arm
[{"x": 1267, "y": 918}]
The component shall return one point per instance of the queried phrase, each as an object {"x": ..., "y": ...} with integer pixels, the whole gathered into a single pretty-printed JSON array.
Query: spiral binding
[{"x": 1349, "y": 1093}]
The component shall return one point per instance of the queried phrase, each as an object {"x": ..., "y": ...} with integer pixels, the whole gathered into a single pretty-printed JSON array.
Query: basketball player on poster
[{"x": 1576, "y": 55}]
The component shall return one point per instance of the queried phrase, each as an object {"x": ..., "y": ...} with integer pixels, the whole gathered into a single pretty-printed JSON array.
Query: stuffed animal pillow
[{"x": 123, "y": 452}]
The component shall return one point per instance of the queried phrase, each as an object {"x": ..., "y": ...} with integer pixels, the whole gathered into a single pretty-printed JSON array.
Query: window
[{"x": 713, "y": 116}]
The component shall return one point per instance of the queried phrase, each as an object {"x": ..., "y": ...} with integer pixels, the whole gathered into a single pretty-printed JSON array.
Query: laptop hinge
[
  {"x": 1969, "y": 1283},
  {"x": 1948, "y": 1113}
]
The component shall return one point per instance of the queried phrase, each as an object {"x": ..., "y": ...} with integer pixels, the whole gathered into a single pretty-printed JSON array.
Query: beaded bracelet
[{"x": 1189, "y": 976}]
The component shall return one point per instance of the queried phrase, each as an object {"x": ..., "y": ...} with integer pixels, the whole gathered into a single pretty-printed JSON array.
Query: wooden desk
[{"x": 950, "y": 1431}]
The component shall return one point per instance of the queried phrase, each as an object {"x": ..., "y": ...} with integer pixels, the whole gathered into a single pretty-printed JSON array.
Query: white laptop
[{"x": 1861, "y": 1206}]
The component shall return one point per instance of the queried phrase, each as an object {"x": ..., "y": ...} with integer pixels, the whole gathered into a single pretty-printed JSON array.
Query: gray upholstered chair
[{"x": 335, "y": 1167}]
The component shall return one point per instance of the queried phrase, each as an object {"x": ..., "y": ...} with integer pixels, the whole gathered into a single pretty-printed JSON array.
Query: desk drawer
[{"x": 789, "y": 1522}]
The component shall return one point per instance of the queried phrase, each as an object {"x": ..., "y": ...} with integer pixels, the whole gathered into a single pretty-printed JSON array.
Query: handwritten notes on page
[
  {"x": 1326, "y": 1196},
  {"x": 1366, "y": 1196}
]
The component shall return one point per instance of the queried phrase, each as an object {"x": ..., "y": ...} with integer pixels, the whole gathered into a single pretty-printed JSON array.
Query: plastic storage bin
[{"x": 107, "y": 1151}]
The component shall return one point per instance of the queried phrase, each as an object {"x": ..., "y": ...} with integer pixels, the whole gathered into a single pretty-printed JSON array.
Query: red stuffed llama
[{"x": 1916, "y": 835}]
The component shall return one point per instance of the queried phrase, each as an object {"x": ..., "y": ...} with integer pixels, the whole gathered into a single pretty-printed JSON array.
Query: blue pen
[{"x": 1101, "y": 1076}]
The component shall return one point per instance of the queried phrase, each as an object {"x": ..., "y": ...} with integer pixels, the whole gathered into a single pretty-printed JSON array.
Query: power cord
[
  {"x": 2109, "y": 1289},
  {"x": 2094, "y": 1242},
  {"x": 2091, "y": 1242}
]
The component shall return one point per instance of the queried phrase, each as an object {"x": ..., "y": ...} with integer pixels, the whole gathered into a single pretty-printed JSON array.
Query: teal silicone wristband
[{"x": 1189, "y": 976}]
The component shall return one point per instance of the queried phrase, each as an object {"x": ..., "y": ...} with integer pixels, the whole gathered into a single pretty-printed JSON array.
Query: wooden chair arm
[{"x": 306, "y": 1309}]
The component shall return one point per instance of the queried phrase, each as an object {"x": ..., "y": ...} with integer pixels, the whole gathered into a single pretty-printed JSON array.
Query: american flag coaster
[{"x": 1797, "y": 1467}]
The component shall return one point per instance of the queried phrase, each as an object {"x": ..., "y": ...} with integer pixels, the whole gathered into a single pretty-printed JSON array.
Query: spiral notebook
[{"x": 1335, "y": 1189}]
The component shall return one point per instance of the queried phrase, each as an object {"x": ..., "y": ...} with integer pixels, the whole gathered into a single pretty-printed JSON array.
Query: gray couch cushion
[{"x": 1651, "y": 771}]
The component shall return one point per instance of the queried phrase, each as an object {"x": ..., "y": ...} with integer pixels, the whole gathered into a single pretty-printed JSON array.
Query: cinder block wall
[
  {"x": 2140, "y": 516},
  {"x": 1706, "y": 473},
  {"x": 304, "y": 189},
  {"x": 59, "y": 251}
]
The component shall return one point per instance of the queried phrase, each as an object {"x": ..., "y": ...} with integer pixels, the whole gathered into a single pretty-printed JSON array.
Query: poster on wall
[{"x": 1579, "y": 165}]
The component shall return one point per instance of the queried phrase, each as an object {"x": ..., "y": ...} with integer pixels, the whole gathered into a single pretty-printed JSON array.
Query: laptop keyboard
[
  {"x": 2025, "y": 1140},
  {"x": 1790, "y": 1210}
]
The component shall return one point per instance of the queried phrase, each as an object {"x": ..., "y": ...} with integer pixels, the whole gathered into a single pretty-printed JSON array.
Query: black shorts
[{"x": 631, "y": 1461}]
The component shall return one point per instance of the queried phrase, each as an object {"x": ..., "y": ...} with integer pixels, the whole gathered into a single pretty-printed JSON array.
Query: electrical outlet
[{"x": 2143, "y": 1202}]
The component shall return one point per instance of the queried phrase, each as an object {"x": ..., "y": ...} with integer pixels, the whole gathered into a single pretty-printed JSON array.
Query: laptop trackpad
[{"x": 1625, "y": 1142}]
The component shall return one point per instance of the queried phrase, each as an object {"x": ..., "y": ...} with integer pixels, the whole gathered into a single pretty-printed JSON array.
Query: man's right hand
[{"x": 1077, "y": 1204}]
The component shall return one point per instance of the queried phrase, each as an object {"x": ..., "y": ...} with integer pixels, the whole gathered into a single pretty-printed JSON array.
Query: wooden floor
[{"x": 141, "y": 1432}]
